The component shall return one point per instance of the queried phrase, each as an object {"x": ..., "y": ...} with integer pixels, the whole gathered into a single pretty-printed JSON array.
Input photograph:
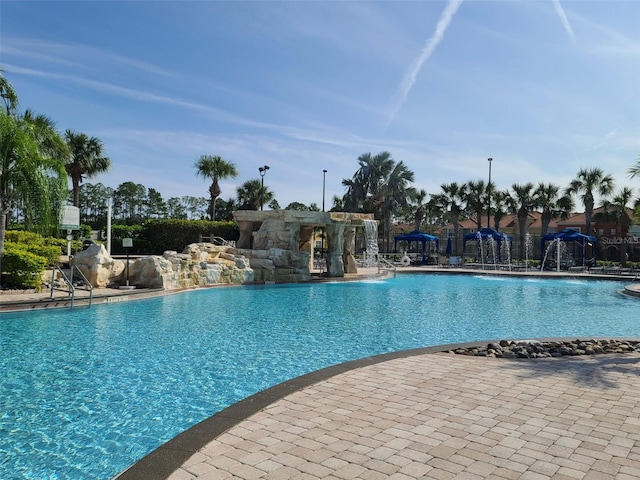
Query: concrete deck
[{"x": 420, "y": 414}]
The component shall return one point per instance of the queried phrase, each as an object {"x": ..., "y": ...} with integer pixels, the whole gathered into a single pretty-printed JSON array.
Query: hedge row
[{"x": 157, "y": 236}]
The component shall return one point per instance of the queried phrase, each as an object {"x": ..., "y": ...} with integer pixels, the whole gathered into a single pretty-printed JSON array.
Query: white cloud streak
[
  {"x": 428, "y": 49},
  {"x": 563, "y": 18}
]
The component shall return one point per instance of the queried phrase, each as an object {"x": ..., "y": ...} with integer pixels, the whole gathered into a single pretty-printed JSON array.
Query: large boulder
[
  {"x": 151, "y": 272},
  {"x": 97, "y": 266}
]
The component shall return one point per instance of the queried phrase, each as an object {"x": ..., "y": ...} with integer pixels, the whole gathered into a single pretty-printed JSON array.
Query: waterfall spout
[{"x": 371, "y": 238}]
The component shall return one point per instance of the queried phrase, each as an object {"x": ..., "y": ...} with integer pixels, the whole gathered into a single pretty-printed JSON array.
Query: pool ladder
[{"x": 69, "y": 283}]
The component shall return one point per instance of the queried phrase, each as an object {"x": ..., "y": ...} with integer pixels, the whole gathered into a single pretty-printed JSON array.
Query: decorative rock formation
[
  {"x": 275, "y": 246},
  {"x": 293, "y": 231},
  {"x": 96, "y": 264}
]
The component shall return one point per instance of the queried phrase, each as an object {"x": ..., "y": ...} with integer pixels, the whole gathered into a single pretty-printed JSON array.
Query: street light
[
  {"x": 324, "y": 176},
  {"x": 262, "y": 171},
  {"x": 489, "y": 195}
]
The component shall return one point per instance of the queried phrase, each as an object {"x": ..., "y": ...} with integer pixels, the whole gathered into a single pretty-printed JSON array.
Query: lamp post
[
  {"x": 489, "y": 195},
  {"x": 262, "y": 171},
  {"x": 324, "y": 177}
]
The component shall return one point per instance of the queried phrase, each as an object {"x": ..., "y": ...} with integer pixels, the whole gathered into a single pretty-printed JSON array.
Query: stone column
[
  {"x": 246, "y": 233},
  {"x": 348, "y": 259},
  {"x": 305, "y": 243},
  {"x": 335, "y": 239},
  {"x": 294, "y": 235}
]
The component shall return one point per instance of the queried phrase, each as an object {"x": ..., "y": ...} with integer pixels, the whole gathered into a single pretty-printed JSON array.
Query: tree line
[
  {"x": 384, "y": 187},
  {"x": 37, "y": 162}
]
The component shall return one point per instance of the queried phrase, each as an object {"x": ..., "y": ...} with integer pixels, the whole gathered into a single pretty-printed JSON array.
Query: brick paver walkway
[{"x": 441, "y": 416}]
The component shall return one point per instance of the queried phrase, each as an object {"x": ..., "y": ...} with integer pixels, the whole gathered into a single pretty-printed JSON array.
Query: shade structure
[
  {"x": 569, "y": 235},
  {"x": 486, "y": 233},
  {"x": 417, "y": 236}
]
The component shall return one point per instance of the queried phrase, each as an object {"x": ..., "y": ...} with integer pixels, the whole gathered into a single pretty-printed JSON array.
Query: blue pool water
[{"x": 86, "y": 392}]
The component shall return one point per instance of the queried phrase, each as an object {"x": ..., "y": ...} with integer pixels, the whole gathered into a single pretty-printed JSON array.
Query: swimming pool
[{"x": 87, "y": 392}]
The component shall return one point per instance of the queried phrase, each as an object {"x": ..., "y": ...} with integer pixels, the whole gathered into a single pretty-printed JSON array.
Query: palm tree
[
  {"x": 216, "y": 169},
  {"x": 585, "y": 184},
  {"x": 635, "y": 170},
  {"x": 451, "y": 199},
  {"x": 617, "y": 211},
  {"x": 86, "y": 160},
  {"x": 498, "y": 206},
  {"x": 8, "y": 94},
  {"x": 364, "y": 189},
  {"x": 475, "y": 197},
  {"x": 31, "y": 169},
  {"x": 251, "y": 194},
  {"x": 394, "y": 196},
  {"x": 420, "y": 207},
  {"x": 553, "y": 205},
  {"x": 522, "y": 202}
]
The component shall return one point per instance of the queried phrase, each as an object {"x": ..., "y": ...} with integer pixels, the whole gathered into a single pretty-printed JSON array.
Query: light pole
[
  {"x": 489, "y": 195},
  {"x": 324, "y": 177},
  {"x": 262, "y": 171}
]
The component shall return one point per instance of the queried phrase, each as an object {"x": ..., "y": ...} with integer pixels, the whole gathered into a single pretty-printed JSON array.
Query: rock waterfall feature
[{"x": 274, "y": 246}]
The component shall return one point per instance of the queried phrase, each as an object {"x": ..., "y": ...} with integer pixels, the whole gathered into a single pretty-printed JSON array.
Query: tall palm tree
[
  {"x": 420, "y": 207},
  {"x": 589, "y": 181},
  {"x": 85, "y": 161},
  {"x": 522, "y": 202},
  {"x": 31, "y": 169},
  {"x": 552, "y": 203},
  {"x": 216, "y": 169},
  {"x": 364, "y": 189},
  {"x": 475, "y": 197},
  {"x": 451, "y": 199},
  {"x": 395, "y": 194},
  {"x": 498, "y": 206},
  {"x": 251, "y": 194},
  {"x": 616, "y": 211}
]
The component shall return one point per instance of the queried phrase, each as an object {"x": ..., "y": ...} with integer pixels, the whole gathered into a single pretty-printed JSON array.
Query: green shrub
[
  {"x": 22, "y": 237},
  {"x": 48, "y": 247},
  {"x": 23, "y": 268},
  {"x": 51, "y": 253},
  {"x": 176, "y": 234}
]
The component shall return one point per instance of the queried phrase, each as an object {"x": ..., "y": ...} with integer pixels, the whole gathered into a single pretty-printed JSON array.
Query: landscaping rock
[{"x": 535, "y": 349}]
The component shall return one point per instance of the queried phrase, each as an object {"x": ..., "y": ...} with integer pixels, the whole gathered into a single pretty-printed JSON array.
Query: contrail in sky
[
  {"x": 563, "y": 17},
  {"x": 427, "y": 50}
]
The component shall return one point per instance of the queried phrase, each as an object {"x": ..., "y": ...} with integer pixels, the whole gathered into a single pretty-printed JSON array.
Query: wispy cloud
[
  {"x": 73, "y": 54},
  {"x": 563, "y": 17},
  {"x": 428, "y": 49}
]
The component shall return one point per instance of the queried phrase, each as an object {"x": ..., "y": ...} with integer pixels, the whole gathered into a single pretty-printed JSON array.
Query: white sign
[
  {"x": 70, "y": 218},
  {"x": 127, "y": 242}
]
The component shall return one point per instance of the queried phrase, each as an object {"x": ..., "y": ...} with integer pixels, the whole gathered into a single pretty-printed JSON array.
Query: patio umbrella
[
  {"x": 449, "y": 247},
  {"x": 417, "y": 236}
]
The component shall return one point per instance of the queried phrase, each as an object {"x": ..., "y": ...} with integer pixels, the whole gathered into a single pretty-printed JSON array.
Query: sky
[{"x": 544, "y": 88}]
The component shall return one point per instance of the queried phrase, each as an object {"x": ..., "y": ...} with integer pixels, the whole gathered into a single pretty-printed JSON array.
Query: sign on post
[{"x": 70, "y": 218}]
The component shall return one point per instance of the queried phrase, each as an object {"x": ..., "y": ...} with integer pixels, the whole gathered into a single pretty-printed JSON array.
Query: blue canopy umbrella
[
  {"x": 569, "y": 235},
  {"x": 417, "y": 236}
]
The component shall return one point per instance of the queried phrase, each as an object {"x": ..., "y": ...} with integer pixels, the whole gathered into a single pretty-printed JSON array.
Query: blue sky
[{"x": 543, "y": 87}]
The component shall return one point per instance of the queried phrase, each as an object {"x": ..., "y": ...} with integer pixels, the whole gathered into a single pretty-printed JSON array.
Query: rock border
[{"x": 547, "y": 349}]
